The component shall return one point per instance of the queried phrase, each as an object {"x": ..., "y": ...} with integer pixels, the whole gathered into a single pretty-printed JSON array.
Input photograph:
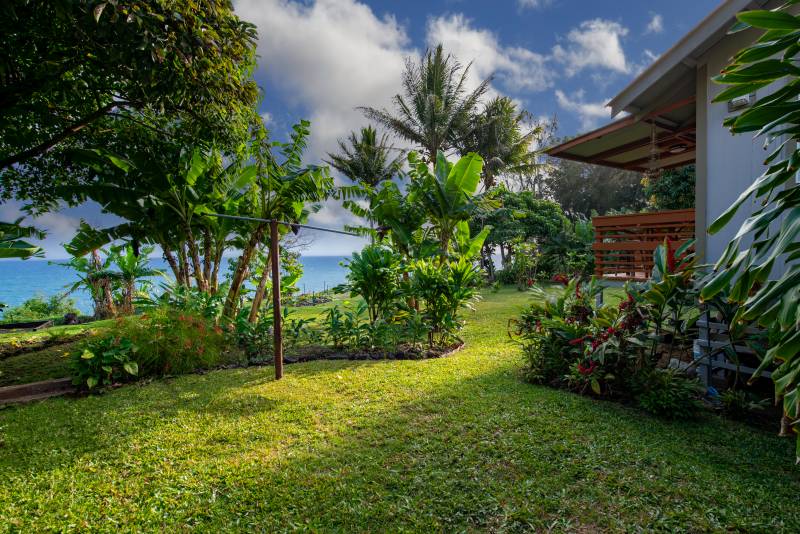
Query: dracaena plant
[{"x": 761, "y": 262}]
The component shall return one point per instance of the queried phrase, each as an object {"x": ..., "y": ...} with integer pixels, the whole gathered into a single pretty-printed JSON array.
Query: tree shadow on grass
[{"x": 372, "y": 446}]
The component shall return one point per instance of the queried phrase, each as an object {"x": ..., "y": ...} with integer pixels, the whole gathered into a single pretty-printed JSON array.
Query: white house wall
[{"x": 730, "y": 163}]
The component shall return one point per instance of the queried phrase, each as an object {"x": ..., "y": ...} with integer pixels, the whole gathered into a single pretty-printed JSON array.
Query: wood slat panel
[{"x": 624, "y": 244}]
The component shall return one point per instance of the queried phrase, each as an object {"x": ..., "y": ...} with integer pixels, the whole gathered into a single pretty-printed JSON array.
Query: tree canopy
[{"x": 72, "y": 70}]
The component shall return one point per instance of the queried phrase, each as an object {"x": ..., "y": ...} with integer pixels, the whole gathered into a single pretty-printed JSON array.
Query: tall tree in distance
[
  {"x": 582, "y": 188},
  {"x": 498, "y": 133},
  {"x": 436, "y": 104},
  {"x": 367, "y": 161}
]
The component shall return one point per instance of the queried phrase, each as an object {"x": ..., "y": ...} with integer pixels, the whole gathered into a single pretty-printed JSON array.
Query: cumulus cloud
[
  {"x": 589, "y": 113},
  {"x": 595, "y": 43},
  {"x": 328, "y": 57},
  {"x": 656, "y": 24},
  {"x": 516, "y": 69}
]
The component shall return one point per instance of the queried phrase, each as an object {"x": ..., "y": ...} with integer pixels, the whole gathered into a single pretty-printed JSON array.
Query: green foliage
[
  {"x": 446, "y": 195},
  {"x": 79, "y": 70},
  {"x": 667, "y": 393},
  {"x": 255, "y": 337},
  {"x": 769, "y": 236},
  {"x": 569, "y": 251},
  {"x": 443, "y": 289},
  {"x": 166, "y": 342},
  {"x": 36, "y": 308},
  {"x": 740, "y": 404},
  {"x": 671, "y": 190},
  {"x": 105, "y": 361},
  {"x": 374, "y": 274},
  {"x": 13, "y": 244}
]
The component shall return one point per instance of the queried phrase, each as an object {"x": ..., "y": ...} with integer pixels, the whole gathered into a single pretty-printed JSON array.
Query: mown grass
[{"x": 452, "y": 444}]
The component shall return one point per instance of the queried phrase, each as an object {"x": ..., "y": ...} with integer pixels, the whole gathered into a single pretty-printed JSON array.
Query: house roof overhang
[{"x": 664, "y": 138}]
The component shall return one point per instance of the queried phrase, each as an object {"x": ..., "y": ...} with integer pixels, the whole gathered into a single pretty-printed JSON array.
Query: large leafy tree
[
  {"x": 501, "y": 134},
  {"x": 582, "y": 189},
  {"x": 436, "y": 103},
  {"x": 71, "y": 70},
  {"x": 770, "y": 237},
  {"x": 673, "y": 189}
]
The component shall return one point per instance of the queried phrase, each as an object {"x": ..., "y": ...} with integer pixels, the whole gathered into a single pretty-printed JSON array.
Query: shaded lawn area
[{"x": 457, "y": 443}]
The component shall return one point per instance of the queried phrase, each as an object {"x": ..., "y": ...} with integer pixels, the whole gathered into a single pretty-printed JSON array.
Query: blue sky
[{"x": 320, "y": 59}]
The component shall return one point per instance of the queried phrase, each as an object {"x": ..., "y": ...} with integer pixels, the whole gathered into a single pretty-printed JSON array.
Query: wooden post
[{"x": 277, "y": 327}]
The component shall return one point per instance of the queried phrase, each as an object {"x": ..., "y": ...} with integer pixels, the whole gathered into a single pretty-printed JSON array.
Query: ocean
[{"x": 21, "y": 280}]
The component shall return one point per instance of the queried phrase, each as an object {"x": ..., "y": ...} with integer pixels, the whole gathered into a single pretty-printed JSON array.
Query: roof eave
[{"x": 680, "y": 52}]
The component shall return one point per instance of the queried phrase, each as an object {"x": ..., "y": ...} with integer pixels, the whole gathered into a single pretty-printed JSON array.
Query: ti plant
[{"x": 761, "y": 262}]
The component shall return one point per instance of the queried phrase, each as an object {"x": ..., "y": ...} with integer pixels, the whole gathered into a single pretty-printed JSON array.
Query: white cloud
[
  {"x": 656, "y": 24},
  {"x": 590, "y": 113},
  {"x": 328, "y": 57},
  {"x": 533, "y": 4},
  {"x": 594, "y": 44},
  {"x": 515, "y": 68}
]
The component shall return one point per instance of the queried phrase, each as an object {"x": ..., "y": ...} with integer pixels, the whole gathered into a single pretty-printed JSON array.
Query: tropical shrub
[
  {"x": 443, "y": 288},
  {"x": 37, "y": 308},
  {"x": 161, "y": 342},
  {"x": 374, "y": 274},
  {"x": 615, "y": 351},
  {"x": 105, "y": 361},
  {"x": 667, "y": 393},
  {"x": 255, "y": 338},
  {"x": 769, "y": 236}
]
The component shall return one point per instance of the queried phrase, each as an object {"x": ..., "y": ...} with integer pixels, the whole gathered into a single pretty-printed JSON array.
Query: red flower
[
  {"x": 577, "y": 341},
  {"x": 584, "y": 370}
]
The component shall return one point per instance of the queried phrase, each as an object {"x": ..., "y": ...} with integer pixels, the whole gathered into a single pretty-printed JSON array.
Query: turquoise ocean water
[{"x": 21, "y": 280}]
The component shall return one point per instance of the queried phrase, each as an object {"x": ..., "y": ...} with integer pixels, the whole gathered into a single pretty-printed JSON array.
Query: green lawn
[{"x": 452, "y": 444}]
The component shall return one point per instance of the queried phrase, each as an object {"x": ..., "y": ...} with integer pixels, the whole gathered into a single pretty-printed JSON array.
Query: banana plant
[
  {"x": 13, "y": 244},
  {"x": 447, "y": 195},
  {"x": 284, "y": 190}
]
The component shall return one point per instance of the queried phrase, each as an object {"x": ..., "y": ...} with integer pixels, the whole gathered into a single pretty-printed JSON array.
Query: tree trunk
[
  {"x": 173, "y": 263},
  {"x": 127, "y": 297},
  {"x": 207, "y": 257},
  {"x": 183, "y": 262},
  {"x": 231, "y": 301},
  {"x": 194, "y": 254},
  {"x": 258, "y": 298},
  {"x": 213, "y": 283},
  {"x": 101, "y": 291}
]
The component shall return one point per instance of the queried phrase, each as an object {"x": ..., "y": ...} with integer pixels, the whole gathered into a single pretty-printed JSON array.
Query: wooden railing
[{"x": 624, "y": 244}]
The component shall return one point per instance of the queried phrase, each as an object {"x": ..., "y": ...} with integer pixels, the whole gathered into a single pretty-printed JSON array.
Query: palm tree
[
  {"x": 435, "y": 106},
  {"x": 497, "y": 134},
  {"x": 93, "y": 275},
  {"x": 367, "y": 161},
  {"x": 131, "y": 266}
]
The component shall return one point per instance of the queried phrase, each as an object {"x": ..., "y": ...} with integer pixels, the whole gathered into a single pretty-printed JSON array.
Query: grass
[{"x": 451, "y": 444}]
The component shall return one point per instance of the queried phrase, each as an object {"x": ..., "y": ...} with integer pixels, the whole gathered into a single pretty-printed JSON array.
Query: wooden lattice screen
[{"x": 624, "y": 244}]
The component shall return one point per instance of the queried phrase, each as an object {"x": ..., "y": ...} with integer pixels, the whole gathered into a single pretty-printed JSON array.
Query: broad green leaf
[{"x": 769, "y": 20}]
